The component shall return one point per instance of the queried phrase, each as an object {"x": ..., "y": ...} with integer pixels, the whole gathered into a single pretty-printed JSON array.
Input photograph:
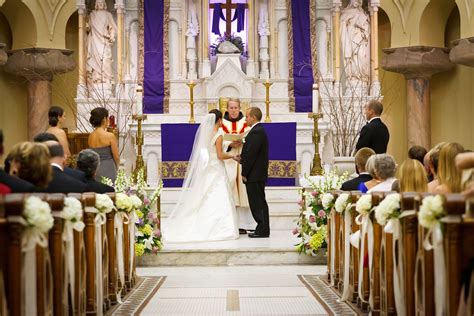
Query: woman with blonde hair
[
  {"x": 412, "y": 176},
  {"x": 448, "y": 175},
  {"x": 31, "y": 162}
]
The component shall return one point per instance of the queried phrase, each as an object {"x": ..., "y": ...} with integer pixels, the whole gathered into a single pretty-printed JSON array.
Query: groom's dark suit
[{"x": 254, "y": 159}]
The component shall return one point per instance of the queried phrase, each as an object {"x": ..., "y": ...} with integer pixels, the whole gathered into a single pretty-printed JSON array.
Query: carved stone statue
[
  {"x": 191, "y": 33},
  {"x": 100, "y": 40},
  {"x": 264, "y": 32},
  {"x": 355, "y": 37}
]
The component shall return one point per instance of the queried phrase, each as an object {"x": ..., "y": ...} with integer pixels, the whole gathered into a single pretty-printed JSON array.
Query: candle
[{"x": 139, "y": 100}]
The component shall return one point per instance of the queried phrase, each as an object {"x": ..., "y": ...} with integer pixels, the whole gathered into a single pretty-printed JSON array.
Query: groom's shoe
[
  {"x": 242, "y": 231},
  {"x": 254, "y": 235}
]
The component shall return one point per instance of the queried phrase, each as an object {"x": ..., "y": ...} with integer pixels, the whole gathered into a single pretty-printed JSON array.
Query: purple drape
[
  {"x": 216, "y": 18},
  {"x": 218, "y": 15},
  {"x": 154, "y": 72},
  {"x": 302, "y": 66}
]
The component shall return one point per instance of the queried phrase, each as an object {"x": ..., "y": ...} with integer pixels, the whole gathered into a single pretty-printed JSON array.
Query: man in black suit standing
[
  {"x": 375, "y": 133},
  {"x": 15, "y": 184},
  {"x": 61, "y": 183},
  {"x": 361, "y": 158},
  {"x": 254, "y": 160}
]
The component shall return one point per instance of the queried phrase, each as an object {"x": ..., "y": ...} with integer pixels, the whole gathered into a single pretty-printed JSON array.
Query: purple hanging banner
[
  {"x": 154, "y": 78},
  {"x": 302, "y": 61}
]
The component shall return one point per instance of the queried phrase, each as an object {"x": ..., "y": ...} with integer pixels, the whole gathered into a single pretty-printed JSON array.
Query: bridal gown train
[{"x": 210, "y": 213}]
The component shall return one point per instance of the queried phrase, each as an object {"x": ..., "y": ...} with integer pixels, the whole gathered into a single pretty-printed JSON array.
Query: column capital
[
  {"x": 462, "y": 52},
  {"x": 374, "y": 4},
  {"x": 336, "y": 5},
  {"x": 3, "y": 54},
  {"x": 39, "y": 63},
  {"x": 81, "y": 6},
  {"x": 416, "y": 62}
]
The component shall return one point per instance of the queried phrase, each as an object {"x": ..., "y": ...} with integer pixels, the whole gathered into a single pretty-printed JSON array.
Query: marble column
[
  {"x": 374, "y": 45},
  {"x": 120, "y": 8},
  {"x": 417, "y": 64},
  {"x": 81, "y": 57},
  {"x": 337, "y": 37},
  {"x": 3, "y": 54},
  {"x": 38, "y": 65}
]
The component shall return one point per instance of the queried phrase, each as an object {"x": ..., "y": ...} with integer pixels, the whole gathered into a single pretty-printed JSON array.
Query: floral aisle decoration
[
  {"x": 389, "y": 208},
  {"x": 315, "y": 207},
  {"x": 134, "y": 198}
]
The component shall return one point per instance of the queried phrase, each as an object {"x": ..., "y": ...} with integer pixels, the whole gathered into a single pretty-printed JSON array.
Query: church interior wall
[
  {"x": 432, "y": 34},
  {"x": 19, "y": 15},
  {"x": 13, "y": 107}
]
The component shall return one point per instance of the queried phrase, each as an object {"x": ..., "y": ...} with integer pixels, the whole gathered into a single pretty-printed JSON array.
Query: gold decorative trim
[
  {"x": 141, "y": 43},
  {"x": 314, "y": 47},
  {"x": 291, "y": 80},
  {"x": 276, "y": 169},
  {"x": 166, "y": 20}
]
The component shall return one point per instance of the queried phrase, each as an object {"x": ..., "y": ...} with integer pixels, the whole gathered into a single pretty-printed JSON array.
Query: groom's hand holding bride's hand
[{"x": 237, "y": 158}]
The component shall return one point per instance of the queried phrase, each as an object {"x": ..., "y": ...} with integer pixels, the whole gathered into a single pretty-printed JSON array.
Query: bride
[{"x": 205, "y": 210}]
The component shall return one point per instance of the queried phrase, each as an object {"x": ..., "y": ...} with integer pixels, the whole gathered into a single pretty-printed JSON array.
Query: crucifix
[{"x": 228, "y": 6}]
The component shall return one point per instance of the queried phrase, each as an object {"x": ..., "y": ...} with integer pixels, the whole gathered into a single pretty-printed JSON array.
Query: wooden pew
[
  {"x": 3, "y": 256},
  {"x": 56, "y": 248},
  {"x": 112, "y": 250},
  {"x": 425, "y": 303},
  {"x": 354, "y": 259},
  {"x": 14, "y": 204},
  {"x": 377, "y": 197},
  {"x": 459, "y": 250},
  {"x": 409, "y": 201},
  {"x": 80, "y": 290},
  {"x": 338, "y": 255}
]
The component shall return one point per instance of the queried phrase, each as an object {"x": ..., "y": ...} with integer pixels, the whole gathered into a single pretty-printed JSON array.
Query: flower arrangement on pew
[
  {"x": 315, "y": 209},
  {"x": 388, "y": 208},
  {"x": 133, "y": 197}
]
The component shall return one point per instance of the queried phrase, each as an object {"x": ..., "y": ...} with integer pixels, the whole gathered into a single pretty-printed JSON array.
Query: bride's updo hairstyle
[
  {"x": 217, "y": 113},
  {"x": 97, "y": 116},
  {"x": 54, "y": 113}
]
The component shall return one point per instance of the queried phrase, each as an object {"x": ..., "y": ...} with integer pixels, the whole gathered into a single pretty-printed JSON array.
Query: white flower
[
  {"x": 431, "y": 210},
  {"x": 123, "y": 202},
  {"x": 38, "y": 214},
  {"x": 364, "y": 204},
  {"x": 72, "y": 210},
  {"x": 149, "y": 242},
  {"x": 136, "y": 201},
  {"x": 104, "y": 203},
  {"x": 387, "y": 208},
  {"x": 342, "y": 202},
  {"x": 327, "y": 200}
]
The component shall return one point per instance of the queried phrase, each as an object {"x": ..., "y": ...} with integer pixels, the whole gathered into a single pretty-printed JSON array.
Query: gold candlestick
[
  {"x": 139, "y": 163},
  {"x": 316, "y": 169},
  {"x": 267, "y": 85},
  {"x": 191, "y": 86}
]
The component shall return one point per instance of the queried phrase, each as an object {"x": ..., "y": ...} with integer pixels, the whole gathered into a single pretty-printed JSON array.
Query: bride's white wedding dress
[{"x": 205, "y": 210}]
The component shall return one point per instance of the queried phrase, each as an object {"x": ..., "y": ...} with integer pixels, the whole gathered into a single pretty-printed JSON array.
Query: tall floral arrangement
[
  {"x": 135, "y": 196},
  {"x": 316, "y": 206}
]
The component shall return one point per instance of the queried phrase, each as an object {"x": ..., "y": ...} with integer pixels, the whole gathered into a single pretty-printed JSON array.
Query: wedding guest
[
  {"x": 88, "y": 162},
  {"x": 104, "y": 143},
  {"x": 412, "y": 176},
  {"x": 61, "y": 182},
  {"x": 4, "y": 189},
  {"x": 370, "y": 168},
  {"x": 57, "y": 117},
  {"x": 375, "y": 133},
  {"x": 449, "y": 176},
  {"x": 428, "y": 167},
  {"x": 385, "y": 168},
  {"x": 434, "y": 159},
  {"x": 417, "y": 152},
  {"x": 76, "y": 174},
  {"x": 30, "y": 162},
  {"x": 361, "y": 158},
  {"x": 465, "y": 162}
]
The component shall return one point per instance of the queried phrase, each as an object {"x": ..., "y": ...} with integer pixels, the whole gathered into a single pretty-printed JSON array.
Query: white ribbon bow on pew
[
  {"x": 131, "y": 229},
  {"x": 367, "y": 229},
  {"x": 99, "y": 220},
  {"x": 120, "y": 218},
  {"x": 333, "y": 247},
  {"x": 346, "y": 292}
]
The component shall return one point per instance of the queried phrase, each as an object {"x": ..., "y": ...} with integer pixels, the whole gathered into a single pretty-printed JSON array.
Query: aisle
[{"x": 238, "y": 290}]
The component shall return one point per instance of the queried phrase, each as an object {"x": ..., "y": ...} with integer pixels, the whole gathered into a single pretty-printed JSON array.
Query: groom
[{"x": 254, "y": 160}]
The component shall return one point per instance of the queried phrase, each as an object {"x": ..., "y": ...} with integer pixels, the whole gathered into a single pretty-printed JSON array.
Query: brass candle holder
[
  {"x": 316, "y": 168},
  {"x": 267, "y": 85},
  {"x": 191, "y": 86},
  {"x": 139, "y": 163}
]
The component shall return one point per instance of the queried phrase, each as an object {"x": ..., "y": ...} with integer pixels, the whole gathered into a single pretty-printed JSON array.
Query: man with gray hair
[
  {"x": 88, "y": 162},
  {"x": 375, "y": 133}
]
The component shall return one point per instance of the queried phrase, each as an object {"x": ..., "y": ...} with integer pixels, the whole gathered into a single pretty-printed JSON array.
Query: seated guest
[
  {"x": 76, "y": 174},
  {"x": 417, "y": 152},
  {"x": 30, "y": 162},
  {"x": 428, "y": 166},
  {"x": 385, "y": 168},
  {"x": 370, "y": 168},
  {"x": 448, "y": 175},
  {"x": 61, "y": 183},
  {"x": 465, "y": 162},
  {"x": 361, "y": 158},
  {"x": 434, "y": 159},
  {"x": 412, "y": 176},
  {"x": 88, "y": 161},
  {"x": 4, "y": 189}
]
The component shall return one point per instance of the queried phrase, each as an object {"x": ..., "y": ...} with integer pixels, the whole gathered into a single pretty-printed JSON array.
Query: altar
[{"x": 177, "y": 142}]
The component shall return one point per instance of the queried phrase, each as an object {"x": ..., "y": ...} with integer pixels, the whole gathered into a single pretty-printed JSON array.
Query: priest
[{"x": 234, "y": 123}]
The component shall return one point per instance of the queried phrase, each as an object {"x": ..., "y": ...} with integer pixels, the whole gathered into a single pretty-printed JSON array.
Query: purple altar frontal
[{"x": 177, "y": 142}]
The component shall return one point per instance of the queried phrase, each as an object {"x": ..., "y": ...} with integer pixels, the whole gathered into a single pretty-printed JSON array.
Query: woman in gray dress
[{"x": 104, "y": 143}]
